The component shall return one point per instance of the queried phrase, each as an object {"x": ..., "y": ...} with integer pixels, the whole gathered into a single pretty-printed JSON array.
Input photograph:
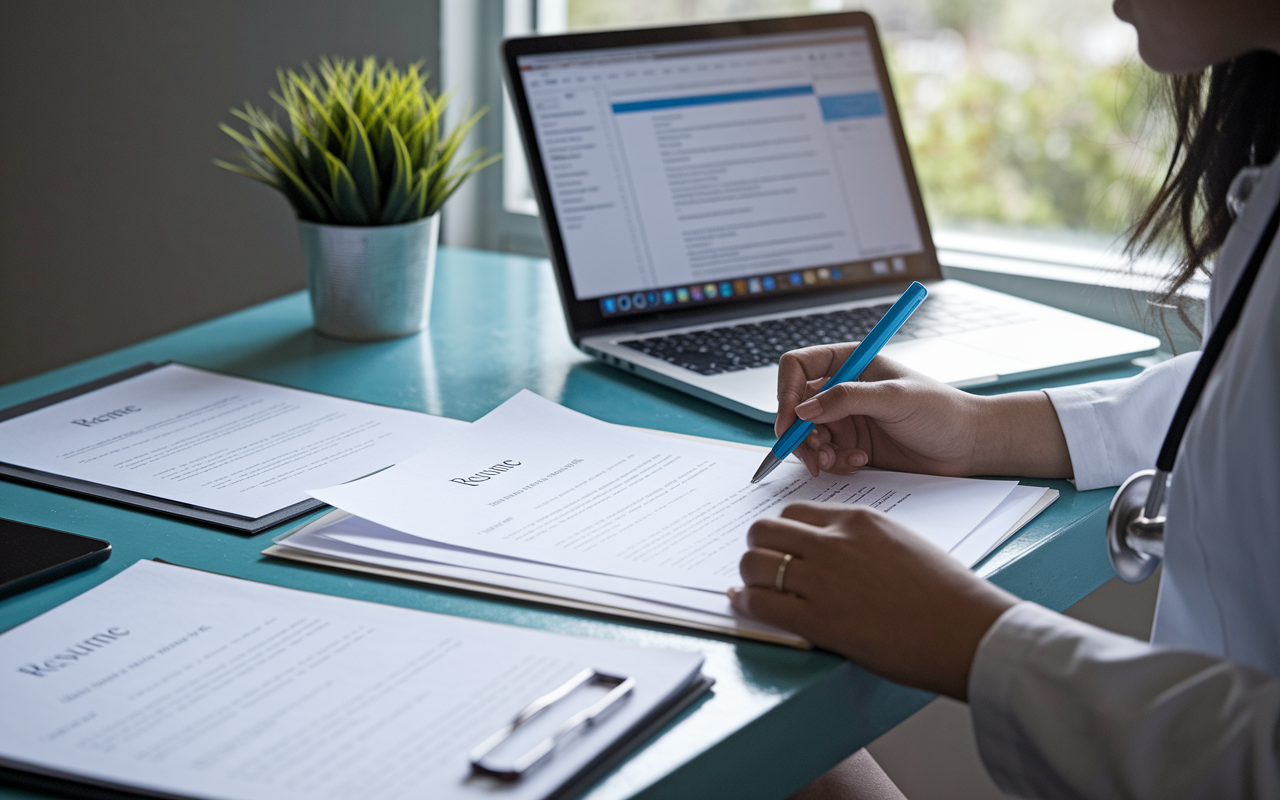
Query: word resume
[
  {"x": 182, "y": 682},
  {"x": 214, "y": 441},
  {"x": 533, "y": 480}
]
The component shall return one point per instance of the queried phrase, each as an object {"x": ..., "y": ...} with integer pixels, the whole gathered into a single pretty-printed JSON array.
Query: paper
[
  {"x": 536, "y": 481},
  {"x": 183, "y": 682},
  {"x": 345, "y": 536},
  {"x": 362, "y": 533},
  {"x": 346, "y": 542},
  {"x": 1020, "y": 507},
  {"x": 341, "y": 535},
  {"x": 709, "y": 612},
  {"x": 213, "y": 441}
]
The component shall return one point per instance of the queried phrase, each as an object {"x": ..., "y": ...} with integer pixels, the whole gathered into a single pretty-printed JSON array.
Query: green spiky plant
[{"x": 367, "y": 144}]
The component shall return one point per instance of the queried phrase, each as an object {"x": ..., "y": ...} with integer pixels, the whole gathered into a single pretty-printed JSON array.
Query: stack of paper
[{"x": 539, "y": 502}]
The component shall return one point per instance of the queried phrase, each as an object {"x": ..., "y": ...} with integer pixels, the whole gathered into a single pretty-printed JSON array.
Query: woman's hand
[
  {"x": 896, "y": 418},
  {"x": 871, "y": 590}
]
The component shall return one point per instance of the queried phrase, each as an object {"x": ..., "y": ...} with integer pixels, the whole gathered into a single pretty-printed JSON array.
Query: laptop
[{"x": 716, "y": 195}]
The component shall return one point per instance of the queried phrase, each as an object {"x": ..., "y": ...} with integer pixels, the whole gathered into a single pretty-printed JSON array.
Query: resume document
[
  {"x": 535, "y": 481},
  {"x": 214, "y": 441},
  {"x": 181, "y": 682}
]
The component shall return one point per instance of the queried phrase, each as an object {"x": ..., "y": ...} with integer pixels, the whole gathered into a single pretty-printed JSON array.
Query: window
[{"x": 1026, "y": 117}]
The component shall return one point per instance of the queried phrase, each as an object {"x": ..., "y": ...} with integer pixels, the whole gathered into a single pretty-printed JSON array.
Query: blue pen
[{"x": 850, "y": 370}]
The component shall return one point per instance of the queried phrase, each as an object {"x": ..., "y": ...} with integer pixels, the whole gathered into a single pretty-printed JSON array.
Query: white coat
[{"x": 1064, "y": 710}]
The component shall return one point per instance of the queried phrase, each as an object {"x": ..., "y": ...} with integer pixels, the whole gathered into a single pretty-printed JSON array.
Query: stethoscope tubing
[
  {"x": 1222, "y": 329},
  {"x": 1135, "y": 530}
]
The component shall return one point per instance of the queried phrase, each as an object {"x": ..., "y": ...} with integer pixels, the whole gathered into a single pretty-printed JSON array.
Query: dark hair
[{"x": 1225, "y": 118}]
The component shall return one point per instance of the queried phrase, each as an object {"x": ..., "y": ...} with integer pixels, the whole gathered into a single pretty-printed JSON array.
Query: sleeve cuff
[
  {"x": 1076, "y": 407},
  {"x": 1064, "y": 710},
  {"x": 1115, "y": 427},
  {"x": 1001, "y": 654}
]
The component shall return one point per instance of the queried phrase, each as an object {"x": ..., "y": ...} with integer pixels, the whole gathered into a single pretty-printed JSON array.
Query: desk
[{"x": 777, "y": 718}]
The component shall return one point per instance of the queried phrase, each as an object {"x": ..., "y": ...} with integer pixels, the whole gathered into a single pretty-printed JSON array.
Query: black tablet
[{"x": 30, "y": 555}]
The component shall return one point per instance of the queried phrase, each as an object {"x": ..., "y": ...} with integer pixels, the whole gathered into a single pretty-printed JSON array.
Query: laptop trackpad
[
  {"x": 950, "y": 362},
  {"x": 938, "y": 358}
]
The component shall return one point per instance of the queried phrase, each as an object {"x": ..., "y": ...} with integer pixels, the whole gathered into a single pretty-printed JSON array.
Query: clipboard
[
  {"x": 641, "y": 731},
  {"x": 222, "y": 519},
  {"x": 596, "y": 769}
]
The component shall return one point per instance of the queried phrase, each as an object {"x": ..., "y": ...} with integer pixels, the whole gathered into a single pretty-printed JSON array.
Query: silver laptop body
[{"x": 714, "y": 195}]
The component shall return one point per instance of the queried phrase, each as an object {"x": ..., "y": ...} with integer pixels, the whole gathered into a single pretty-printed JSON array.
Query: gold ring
[{"x": 782, "y": 572}]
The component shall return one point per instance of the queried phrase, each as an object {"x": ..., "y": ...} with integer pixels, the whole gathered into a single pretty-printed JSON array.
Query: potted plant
[{"x": 366, "y": 164}]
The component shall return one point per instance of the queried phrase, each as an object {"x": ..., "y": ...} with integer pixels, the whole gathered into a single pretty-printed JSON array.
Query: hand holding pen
[{"x": 849, "y": 371}]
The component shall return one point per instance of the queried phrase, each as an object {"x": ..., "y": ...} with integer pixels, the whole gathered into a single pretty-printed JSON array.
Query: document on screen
[
  {"x": 536, "y": 481},
  {"x": 182, "y": 682},
  {"x": 669, "y": 164},
  {"x": 214, "y": 441}
]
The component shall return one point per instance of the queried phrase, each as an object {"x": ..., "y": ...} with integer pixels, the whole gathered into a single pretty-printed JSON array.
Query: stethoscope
[{"x": 1135, "y": 524}]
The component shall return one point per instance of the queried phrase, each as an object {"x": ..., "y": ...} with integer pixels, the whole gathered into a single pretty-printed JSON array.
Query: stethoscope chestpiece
[{"x": 1135, "y": 525}]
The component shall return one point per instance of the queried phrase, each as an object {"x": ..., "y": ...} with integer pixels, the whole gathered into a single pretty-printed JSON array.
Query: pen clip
[{"x": 621, "y": 687}]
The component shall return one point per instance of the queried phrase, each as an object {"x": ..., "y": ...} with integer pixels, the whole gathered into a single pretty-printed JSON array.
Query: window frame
[{"x": 471, "y": 33}]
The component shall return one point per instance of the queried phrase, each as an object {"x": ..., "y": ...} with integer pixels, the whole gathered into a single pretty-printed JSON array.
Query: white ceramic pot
[{"x": 370, "y": 283}]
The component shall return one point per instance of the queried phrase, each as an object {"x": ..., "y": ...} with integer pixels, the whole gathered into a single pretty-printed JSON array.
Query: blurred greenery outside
[{"x": 1025, "y": 117}]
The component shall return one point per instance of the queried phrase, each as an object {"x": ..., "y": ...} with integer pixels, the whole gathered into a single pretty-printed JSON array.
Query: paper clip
[{"x": 622, "y": 686}]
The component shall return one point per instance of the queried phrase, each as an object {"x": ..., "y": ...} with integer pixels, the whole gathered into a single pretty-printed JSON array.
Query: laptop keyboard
[{"x": 760, "y": 344}]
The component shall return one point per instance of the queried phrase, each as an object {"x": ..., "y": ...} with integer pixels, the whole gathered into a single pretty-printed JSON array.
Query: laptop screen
[{"x": 689, "y": 173}]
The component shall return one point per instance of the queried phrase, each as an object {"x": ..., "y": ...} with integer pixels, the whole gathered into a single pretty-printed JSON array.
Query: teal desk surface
[{"x": 777, "y": 717}]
